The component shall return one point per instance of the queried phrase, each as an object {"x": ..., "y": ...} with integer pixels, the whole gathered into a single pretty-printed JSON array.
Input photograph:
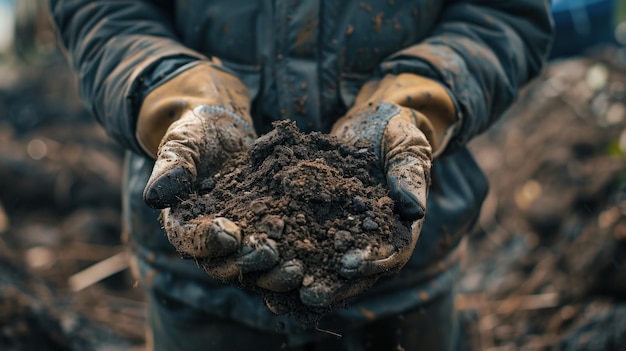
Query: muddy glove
[
  {"x": 407, "y": 119},
  {"x": 191, "y": 124}
]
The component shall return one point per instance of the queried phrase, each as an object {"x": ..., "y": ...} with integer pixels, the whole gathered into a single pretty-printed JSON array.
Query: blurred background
[{"x": 546, "y": 269}]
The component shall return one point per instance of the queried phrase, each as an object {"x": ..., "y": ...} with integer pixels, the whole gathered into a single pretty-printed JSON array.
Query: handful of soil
[{"x": 311, "y": 194}]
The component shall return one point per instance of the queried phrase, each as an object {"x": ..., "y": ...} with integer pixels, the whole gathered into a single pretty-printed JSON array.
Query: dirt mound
[{"x": 315, "y": 197}]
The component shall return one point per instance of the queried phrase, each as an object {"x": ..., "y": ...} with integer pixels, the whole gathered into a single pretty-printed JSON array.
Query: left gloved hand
[
  {"x": 407, "y": 119},
  {"x": 191, "y": 124}
]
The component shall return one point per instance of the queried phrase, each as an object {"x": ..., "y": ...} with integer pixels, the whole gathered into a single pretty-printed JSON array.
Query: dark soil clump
[{"x": 314, "y": 196}]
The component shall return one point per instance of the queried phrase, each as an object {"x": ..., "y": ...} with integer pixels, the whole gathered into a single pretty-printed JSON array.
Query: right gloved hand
[
  {"x": 191, "y": 124},
  {"x": 407, "y": 119}
]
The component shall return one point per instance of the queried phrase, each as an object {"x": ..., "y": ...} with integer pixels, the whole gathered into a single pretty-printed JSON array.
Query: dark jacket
[{"x": 306, "y": 60}]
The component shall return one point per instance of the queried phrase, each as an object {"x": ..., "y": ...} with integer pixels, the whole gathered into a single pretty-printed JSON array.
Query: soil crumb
[{"x": 314, "y": 196}]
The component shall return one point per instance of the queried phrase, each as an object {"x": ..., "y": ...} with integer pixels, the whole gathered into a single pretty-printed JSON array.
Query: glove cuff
[
  {"x": 435, "y": 107},
  {"x": 203, "y": 84}
]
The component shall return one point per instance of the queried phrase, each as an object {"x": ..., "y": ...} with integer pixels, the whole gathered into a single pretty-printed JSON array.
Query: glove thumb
[
  {"x": 407, "y": 166},
  {"x": 175, "y": 169}
]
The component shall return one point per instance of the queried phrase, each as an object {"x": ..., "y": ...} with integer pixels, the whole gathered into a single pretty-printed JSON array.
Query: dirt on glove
[{"x": 315, "y": 197}]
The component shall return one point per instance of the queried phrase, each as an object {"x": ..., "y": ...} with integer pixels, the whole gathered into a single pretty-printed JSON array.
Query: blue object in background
[
  {"x": 7, "y": 26},
  {"x": 580, "y": 24}
]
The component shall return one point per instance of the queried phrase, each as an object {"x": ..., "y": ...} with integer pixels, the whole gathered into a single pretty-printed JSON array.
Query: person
[{"x": 181, "y": 84}]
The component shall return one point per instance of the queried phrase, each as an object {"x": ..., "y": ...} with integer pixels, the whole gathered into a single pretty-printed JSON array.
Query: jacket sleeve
[
  {"x": 483, "y": 51},
  {"x": 117, "y": 48}
]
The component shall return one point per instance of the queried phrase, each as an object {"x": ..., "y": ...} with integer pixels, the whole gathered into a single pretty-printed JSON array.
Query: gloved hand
[
  {"x": 191, "y": 124},
  {"x": 407, "y": 119}
]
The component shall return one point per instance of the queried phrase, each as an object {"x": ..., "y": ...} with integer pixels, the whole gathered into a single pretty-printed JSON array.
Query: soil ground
[{"x": 546, "y": 265}]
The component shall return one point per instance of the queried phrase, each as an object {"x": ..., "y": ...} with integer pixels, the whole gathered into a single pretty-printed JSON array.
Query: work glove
[
  {"x": 192, "y": 124},
  {"x": 407, "y": 119}
]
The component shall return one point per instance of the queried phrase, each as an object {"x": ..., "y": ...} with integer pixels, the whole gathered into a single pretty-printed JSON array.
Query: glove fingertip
[
  {"x": 286, "y": 277},
  {"x": 168, "y": 189},
  {"x": 316, "y": 296},
  {"x": 352, "y": 264},
  {"x": 259, "y": 255},
  {"x": 407, "y": 204},
  {"x": 411, "y": 211}
]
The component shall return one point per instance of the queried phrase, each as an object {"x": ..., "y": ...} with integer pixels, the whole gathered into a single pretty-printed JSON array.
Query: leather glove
[
  {"x": 407, "y": 119},
  {"x": 191, "y": 124}
]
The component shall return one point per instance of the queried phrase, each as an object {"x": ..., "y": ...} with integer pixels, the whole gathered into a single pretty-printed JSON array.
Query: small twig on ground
[{"x": 98, "y": 271}]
